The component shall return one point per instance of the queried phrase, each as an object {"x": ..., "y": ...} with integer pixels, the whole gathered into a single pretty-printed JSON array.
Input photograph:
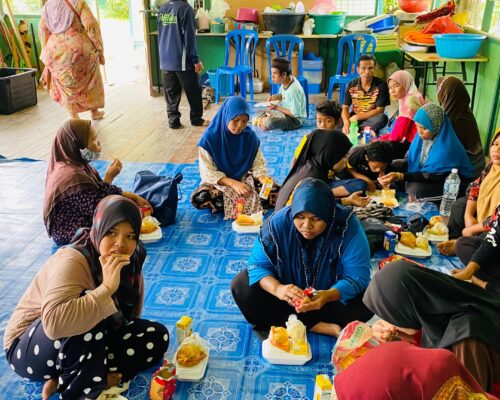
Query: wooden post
[{"x": 24, "y": 54}]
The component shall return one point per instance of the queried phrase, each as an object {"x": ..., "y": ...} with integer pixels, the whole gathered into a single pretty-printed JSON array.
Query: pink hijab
[
  {"x": 58, "y": 16},
  {"x": 408, "y": 104}
]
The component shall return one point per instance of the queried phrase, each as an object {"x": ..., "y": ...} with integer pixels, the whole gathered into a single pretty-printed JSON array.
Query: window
[
  {"x": 357, "y": 7},
  {"x": 482, "y": 15}
]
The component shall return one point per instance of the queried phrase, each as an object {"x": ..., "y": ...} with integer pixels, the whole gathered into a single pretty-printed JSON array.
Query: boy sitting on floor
[
  {"x": 369, "y": 162},
  {"x": 291, "y": 112}
]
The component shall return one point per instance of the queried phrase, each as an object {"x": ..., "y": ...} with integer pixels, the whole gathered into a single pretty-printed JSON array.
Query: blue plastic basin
[
  {"x": 384, "y": 24},
  {"x": 458, "y": 45}
]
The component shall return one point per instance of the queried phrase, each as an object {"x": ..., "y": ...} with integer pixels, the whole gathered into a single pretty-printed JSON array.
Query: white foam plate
[
  {"x": 191, "y": 374},
  {"x": 151, "y": 237},
  {"x": 416, "y": 252},
  {"x": 245, "y": 228},
  {"x": 267, "y": 103},
  {"x": 435, "y": 238},
  {"x": 277, "y": 356}
]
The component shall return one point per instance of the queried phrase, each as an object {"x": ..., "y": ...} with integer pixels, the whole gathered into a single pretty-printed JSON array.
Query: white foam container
[
  {"x": 277, "y": 356},
  {"x": 245, "y": 228},
  {"x": 191, "y": 374},
  {"x": 416, "y": 252},
  {"x": 151, "y": 237}
]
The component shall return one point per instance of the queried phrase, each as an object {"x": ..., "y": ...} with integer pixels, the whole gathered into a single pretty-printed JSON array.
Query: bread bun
[
  {"x": 121, "y": 255},
  {"x": 436, "y": 219},
  {"x": 390, "y": 203},
  {"x": 279, "y": 338},
  {"x": 245, "y": 220},
  {"x": 148, "y": 226},
  {"x": 439, "y": 229},
  {"x": 408, "y": 239},
  {"x": 190, "y": 355},
  {"x": 423, "y": 243}
]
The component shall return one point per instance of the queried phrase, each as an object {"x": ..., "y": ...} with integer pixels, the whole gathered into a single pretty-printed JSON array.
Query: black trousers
[
  {"x": 262, "y": 310},
  {"x": 456, "y": 223},
  {"x": 81, "y": 363},
  {"x": 173, "y": 83}
]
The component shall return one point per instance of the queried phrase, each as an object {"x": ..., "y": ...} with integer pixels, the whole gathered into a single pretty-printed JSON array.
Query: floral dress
[{"x": 71, "y": 58}]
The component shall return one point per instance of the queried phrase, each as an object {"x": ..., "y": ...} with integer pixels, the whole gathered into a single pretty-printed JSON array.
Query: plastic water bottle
[
  {"x": 367, "y": 134},
  {"x": 353, "y": 132},
  {"x": 450, "y": 192}
]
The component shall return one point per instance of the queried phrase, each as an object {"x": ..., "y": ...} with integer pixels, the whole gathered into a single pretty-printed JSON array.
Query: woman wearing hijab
[
  {"x": 314, "y": 243},
  {"x": 434, "y": 152},
  {"x": 454, "y": 98},
  {"x": 451, "y": 314},
  {"x": 72, "y": 51},
  {"x": 403, "y": 89},
  {"x": 77, "y": 326},
  {"x": 324, "y": 155},
  {"x": 472, "y": 216},
  {"x": 73, "y": 188},
  {"x": 231, "y": 162},
  {"x": 402, "y": 370}
]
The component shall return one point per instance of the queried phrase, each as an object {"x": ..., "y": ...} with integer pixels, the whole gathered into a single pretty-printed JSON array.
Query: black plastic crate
[{"x": 17, "y": 89}]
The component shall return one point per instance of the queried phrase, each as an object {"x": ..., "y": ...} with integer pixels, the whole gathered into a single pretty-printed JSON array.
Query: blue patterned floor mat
[{"x": 187, "y": 273}]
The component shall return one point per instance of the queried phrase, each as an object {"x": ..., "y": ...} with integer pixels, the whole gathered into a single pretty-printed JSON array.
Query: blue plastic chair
[
  {"x": 356, "y": 45},
  {"x": 245, "y": 42},
  {"x": 283, "y": 46}
]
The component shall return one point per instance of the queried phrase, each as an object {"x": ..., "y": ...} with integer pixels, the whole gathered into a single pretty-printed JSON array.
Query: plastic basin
[
  {"x": 284, "y": 24},
  {"x": 414, "y": 6},
  {"x": 328, "y": 24},
  {"x": 217, "y": 28},
  {"x": 458, "y": 45},
  {"x": 385, "y": 24}
]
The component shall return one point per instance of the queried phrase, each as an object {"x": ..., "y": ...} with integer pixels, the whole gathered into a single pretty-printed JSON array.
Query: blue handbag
[{"x": 161, "y": 192}]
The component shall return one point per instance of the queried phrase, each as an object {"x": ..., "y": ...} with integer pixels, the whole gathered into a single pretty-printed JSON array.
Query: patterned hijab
[
  {"x": 67, "y": 171},
  {"x": 489, "y": 194},
  {"x": 232, "y": 154},
  {"x": 109, "y": 212},
  {"x": 58, "y": 16},
  {"x": 443, "y": 151},
  {"x": 412, "y": 99}
]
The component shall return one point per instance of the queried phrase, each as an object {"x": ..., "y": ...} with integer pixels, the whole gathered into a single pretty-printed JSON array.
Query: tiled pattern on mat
[{"x": 187, "y": 273}]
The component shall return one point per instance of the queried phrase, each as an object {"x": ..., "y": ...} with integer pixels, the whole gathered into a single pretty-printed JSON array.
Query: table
[
  {"x": 320, "y": 38},
  {"x": 433, "y": 59}
]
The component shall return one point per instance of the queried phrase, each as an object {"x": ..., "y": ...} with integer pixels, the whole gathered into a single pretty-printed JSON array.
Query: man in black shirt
[{"x": 368, "y": 97}]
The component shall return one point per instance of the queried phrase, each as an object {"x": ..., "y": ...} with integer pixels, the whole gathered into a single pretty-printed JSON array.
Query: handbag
[{"x": 161, "y": 192}]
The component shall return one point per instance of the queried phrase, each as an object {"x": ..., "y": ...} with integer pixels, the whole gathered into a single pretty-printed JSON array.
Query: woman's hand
[
  {"x": 370, "y": 186},
  {"x": 241, "y": 188},
  {"x": 354, "y": 118},
  {"x": 140, "y": 201},
  {"x": 113, "y": 170},
  {"x": 356, "y": 199},
  {"x": 317, "y": 303},
  {"x": 384, "y": 331},
  {"x": 389, "y": 178},
  {"x": 112, "y": 265},
  {"x": 289, "y": 293}
]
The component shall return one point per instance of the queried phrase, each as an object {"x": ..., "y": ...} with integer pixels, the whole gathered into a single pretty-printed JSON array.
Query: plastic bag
[
  {"x": 163, "y": 382},
  {"x": 442, "y": 25},
  {"x": 218, "y": 9},
  {"x": 308, "y": 26}
]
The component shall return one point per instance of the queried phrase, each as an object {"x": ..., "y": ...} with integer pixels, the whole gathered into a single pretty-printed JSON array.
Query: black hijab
[{"x": 324, "y": 148}]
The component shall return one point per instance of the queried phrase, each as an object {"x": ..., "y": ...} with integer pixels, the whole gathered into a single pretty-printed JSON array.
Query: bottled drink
[
  {"x": 353, "y": 132},
  {"x": 450, "y": 192},
  {"x": 367, "y": 134}
]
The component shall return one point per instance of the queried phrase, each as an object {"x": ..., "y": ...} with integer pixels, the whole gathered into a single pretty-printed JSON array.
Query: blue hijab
[
  {"x": 300, "y": 261},
  {"x": 443, "y": 151},
  {"x": 232, "y": 154}
]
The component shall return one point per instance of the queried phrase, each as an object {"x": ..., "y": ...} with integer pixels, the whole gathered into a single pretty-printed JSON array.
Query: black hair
[
  {"x": 379, "y": 152},
  {"x": 282, "y": 65},
  {"x": 330, "y": 108},
  {"x": 367, "y": 57}
]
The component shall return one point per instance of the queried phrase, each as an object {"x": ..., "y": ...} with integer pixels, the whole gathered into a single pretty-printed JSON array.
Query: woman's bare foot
[
  {"x": 96, "y": 114},
  {"x": 447, "y": 248},
  {"x": 113, "y": 379},
  {"x": 324, "y": 328},
  {"x": 49, "y": 388}
]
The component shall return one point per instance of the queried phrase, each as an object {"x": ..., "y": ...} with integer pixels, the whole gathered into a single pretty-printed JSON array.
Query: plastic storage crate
[
  {"x": 17, "y": 89},
  {"x": 313, "y": 72},
  {"x": 223, "y": 82}
]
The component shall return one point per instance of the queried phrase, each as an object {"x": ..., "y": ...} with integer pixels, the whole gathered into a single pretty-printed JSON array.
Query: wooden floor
[{"x": 135, "y": 127}]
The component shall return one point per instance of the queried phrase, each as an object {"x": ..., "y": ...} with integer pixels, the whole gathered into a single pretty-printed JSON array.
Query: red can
[{"x": 240, "y": 206}]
